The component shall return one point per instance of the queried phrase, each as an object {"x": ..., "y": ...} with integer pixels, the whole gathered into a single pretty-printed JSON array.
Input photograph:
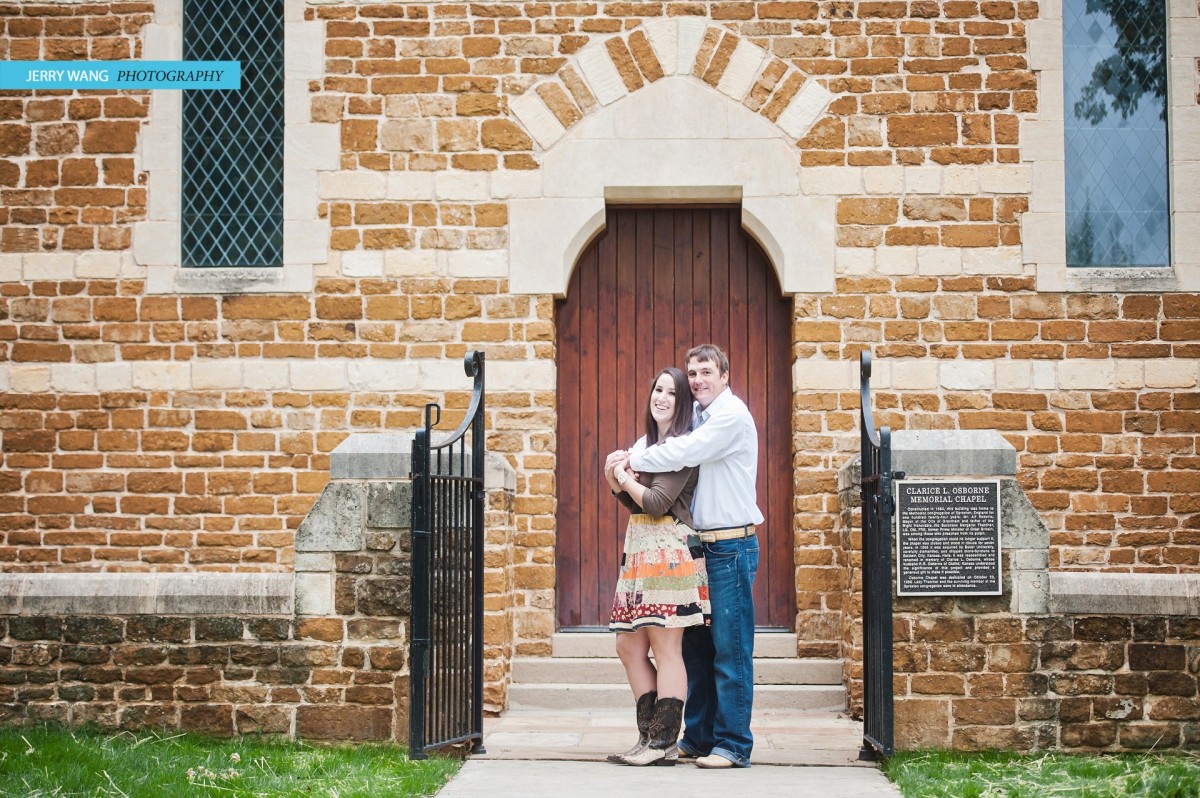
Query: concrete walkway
[{"x": 552, "y": 753}]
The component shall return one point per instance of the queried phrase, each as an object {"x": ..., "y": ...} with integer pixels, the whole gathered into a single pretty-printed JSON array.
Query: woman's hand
[{"x": 611, "y": 463}]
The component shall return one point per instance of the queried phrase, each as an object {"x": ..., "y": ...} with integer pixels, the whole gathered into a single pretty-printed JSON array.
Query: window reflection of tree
[{"x": 1138, "y": 67}]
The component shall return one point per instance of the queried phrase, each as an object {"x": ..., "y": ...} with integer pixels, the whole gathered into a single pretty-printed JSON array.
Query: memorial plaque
[{"x": 948, "y": 537}]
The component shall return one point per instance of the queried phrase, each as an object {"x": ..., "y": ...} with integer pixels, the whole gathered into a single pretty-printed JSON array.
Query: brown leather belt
[{"x": 725, "y": 533}]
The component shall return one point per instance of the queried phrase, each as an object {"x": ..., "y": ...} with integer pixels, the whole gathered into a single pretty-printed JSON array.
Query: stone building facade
[{"x": 446, "y": 164}]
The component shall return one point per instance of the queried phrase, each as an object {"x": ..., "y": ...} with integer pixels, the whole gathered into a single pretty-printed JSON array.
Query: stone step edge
[
  {"x": 581, "y": 696},
  {"x": 778, "y": 670},
  {"x": 767, "y": 645}
]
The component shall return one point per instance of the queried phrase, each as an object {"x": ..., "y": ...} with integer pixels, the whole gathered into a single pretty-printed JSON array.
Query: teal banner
[{"x": 120, "y": 75}]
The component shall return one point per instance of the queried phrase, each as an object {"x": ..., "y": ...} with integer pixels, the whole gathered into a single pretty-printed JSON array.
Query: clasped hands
[{"x": 618, "y": 463}]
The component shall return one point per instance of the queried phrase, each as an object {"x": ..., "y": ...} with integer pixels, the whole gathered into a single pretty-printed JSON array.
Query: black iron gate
[
  {"x": 878, "y": 506},
  {"x": 446, "y": 648}
]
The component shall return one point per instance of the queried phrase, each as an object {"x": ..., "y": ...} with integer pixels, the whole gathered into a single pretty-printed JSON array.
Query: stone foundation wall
[{"x": 211, "y": 659}]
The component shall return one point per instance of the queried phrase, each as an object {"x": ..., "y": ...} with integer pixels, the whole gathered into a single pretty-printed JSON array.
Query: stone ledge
[
  {"x": 957, "y": 453},
  {"x": 146, "y": 594},
  {"x": 1124, "y": 594}
]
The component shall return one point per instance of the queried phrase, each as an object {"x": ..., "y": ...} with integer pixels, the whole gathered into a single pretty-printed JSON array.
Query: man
[{"x": 720, "y": 658}]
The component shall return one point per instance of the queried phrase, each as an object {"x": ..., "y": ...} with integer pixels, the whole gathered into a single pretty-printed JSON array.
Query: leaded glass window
[
  {"x": 1115, "y": 75},
  {"x": 233, "y": 140}
]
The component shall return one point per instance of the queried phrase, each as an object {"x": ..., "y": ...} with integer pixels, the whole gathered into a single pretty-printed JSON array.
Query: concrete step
[
  {"x": 600, "y": 644},
  {"x": 578, "y": 696},
  {"x": 598, "y": 670}
]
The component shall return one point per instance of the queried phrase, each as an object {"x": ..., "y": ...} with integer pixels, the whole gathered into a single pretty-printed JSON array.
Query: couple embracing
[{"x": 687, "y": 572}]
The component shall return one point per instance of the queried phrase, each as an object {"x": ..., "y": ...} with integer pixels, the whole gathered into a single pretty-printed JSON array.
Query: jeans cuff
[{"x": 738, "y": 761}]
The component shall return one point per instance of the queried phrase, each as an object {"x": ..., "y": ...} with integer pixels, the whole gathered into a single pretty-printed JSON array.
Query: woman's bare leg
[
  {"x": 634, "y": 650},
  {"x": 668, "y": 657}
]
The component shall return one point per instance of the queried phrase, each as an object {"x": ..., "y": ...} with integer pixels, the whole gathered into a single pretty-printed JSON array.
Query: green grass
[
  {"x": 49, "y": 762},
  {"x": 1003, "y": 775}
]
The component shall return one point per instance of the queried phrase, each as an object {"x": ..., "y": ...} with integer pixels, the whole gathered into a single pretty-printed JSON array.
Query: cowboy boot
[
  {"x": 645, "y": 711},
  {"x": 664, "y": 732}
]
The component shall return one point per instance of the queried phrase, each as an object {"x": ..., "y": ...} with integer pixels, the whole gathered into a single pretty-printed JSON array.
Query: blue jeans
[{"x": 720, "y": 658}]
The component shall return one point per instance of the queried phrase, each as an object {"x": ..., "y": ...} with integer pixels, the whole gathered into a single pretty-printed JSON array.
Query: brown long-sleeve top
[{"x": 666, "y": 492}]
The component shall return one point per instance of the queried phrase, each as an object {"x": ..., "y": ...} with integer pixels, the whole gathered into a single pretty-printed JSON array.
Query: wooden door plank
[
  {"x": 567, "y": 540},
  {"x": 589, "y": 356}
]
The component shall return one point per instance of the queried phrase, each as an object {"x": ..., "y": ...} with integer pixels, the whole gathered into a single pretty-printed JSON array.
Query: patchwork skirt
[{"x": 663, "y": 581}]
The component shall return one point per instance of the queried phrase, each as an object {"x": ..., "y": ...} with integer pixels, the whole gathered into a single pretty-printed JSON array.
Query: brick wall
[
  {"x": 146, "y": 431},
  {"x": 69, "y": 176}
]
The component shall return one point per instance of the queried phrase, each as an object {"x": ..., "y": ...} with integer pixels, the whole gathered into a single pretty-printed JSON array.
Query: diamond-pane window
[
  {"x": 233, "y": 140},
  {"x": 1115, "y": 84}
]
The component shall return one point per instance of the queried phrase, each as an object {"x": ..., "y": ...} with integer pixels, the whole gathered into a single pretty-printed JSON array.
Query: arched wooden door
[{"x": 654, "y": 284}]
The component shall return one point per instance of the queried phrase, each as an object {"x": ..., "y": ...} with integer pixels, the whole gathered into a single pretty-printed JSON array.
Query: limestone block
[
  {"x": 447, "y": 375},
  {"x": 210, "y": 374},
  {"x": 160, "y": 153},
  {"x": 478, "y": 263},
  {"x": 923, "y": 179},
  {"x": 1043, "y": 241},
  {"x": 801, "y": 253},
  {"x": 1129, "y": 374},
  {"x": 896, "y": 260},
  {"x": 541, "y": 123},
  {"x": 265, "y": 375},
  {"x": 1045, "y": 376},
  {"x": 1076, "y": 375},
  {"x": 600, "y": 73},
  {"x": 1013, "y": 375},
  {"x": 48, "y": 266},
  {"x": 1181, "y": 89},
  {"x": 824, "y": 375},
  {"x": 691, "y": 34},
  {"x": 352, "y": 185},
  {"x": 164, "y": 200},
  {"x": 1022, "y": 525},
  {"x": 313, "y": 146},
  {"x": 1031, "y": 559},
  {"x": 1045, "y": 37},
  {"x": 744, "y": 66},
  {"x": 335, "y": 522},
  {"x": 114, "y": 376},
  {"x": 546, "y": 236},
  {"x": 831, "y": 180},
  {"x": 1005, "y": 179},
  {"x": 410, "y": 185},
  {"x": 224, "y": 594},
  {"x": 1183, "y": 37},
  {"x": 461, "y": 185},
  {"x": 521, "y": 375},
  {"x": 157, "y": 376},
  {"x": 73, "y": 378},
  {"x": 804, "y": 109},
  {"x": 1183, "y": 9},
  {"x": 10, "y": 268},
  {"x": 855, "y": 260},
  {"x": 1125, "y": 594},
  {"x": 162, "y": 40},
  {"x": 94, "y": 265},
  {"x": 664, "y": 40},
  {"x": 305, "y": 242},
  {"x": 362, "y": 264},
  {"x": 516, "y": 183},
  {"x": 109, "y": 593},
  {"x": 962, "y": 453},
  {"x": 298, "y": 105},
  {"x": 992, "y": 260},
  {"x": 968, "y": 375},
  {"x": 884, "y": 179},
  {"x": 1032, "y": 592},
  {"x": 960, "y": 180},
  {"x": 915, "y": 375},
  {"x": 939, "y": 261},
  {"x": 326, "y": 375},
  {"x": 300, "y": 194},
  {"x": 303, "y": 57},
  {"x": 1186, "y": 173},
  {"x": 383, "y": 375},
  {"x": 380, "y": 455},
  {"x": 389, "y": 505},
  {"x": 498, "y": 474},
  {"x": 319, "y": 561},
  {"x": 1172, "y": 373},
  {"x": 314, "y": 594},
  {"x": 156, "y": 243},
  {"x": 1048, "y": 189},
  {"x": 674, "y": 108},
  {"x": 4, "y": 368},
  {"x": 402, "y": 262}
]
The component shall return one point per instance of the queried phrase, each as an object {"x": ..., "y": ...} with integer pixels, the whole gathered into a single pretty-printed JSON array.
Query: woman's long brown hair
[{"x": 681, "y": 424}]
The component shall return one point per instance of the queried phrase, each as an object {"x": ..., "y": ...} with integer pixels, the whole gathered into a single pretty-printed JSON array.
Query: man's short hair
[{"x": 712, "y": 353}]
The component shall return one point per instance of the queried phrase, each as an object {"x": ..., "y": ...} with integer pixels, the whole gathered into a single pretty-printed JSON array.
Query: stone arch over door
[{"x": 655, "y": 282}]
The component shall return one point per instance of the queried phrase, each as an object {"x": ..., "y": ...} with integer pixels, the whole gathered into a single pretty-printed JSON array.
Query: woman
[{"x": 663, "y": 586}]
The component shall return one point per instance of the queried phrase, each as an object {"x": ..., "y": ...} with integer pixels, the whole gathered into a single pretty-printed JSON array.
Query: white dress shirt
[{"x": 725, "y": 446}]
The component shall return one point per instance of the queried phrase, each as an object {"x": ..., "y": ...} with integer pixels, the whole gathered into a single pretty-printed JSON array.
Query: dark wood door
[{"x": 654, "y": 284}]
